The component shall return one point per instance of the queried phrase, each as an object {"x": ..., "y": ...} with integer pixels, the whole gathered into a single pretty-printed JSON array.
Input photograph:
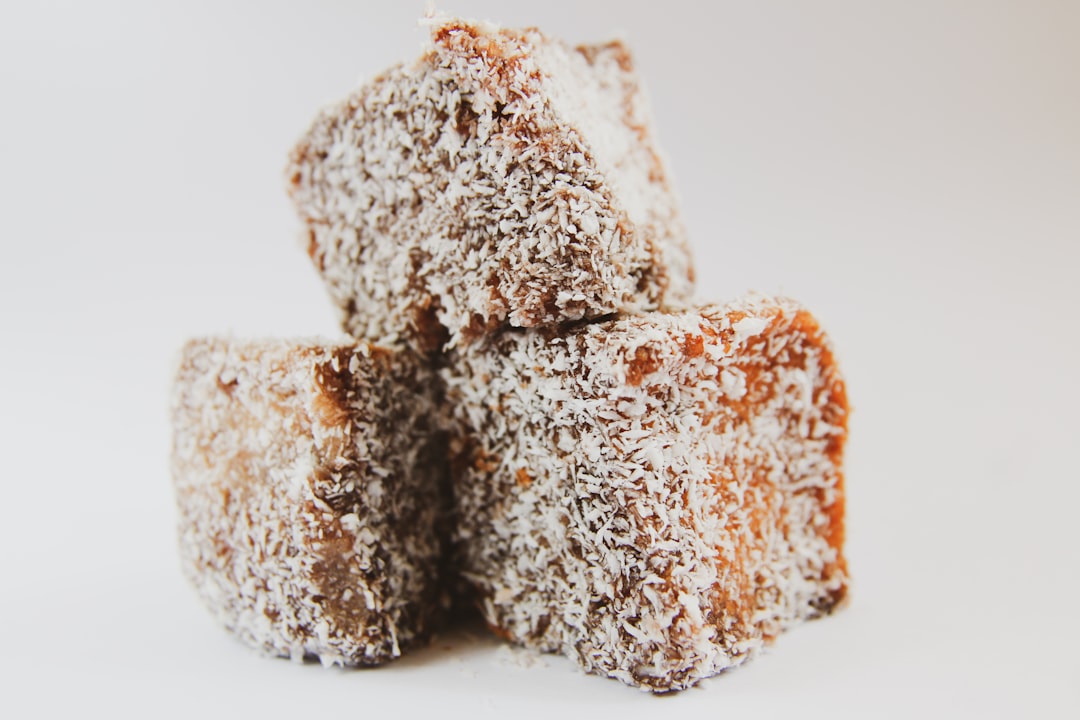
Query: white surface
[{"x": 909, "y": 170}]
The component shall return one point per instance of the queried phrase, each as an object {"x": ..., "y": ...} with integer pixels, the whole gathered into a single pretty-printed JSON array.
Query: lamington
[
  {"x": 504, "y": 178},
  {"x": 656, "y": 496},
  {"x": 309, "y": 482}
]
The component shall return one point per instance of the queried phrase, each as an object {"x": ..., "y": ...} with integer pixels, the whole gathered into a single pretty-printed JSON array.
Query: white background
[{"x": 909, "y": 170}]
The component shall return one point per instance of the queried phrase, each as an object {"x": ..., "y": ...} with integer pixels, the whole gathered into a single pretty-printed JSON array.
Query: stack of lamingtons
[{"x": 530, "y": 409}]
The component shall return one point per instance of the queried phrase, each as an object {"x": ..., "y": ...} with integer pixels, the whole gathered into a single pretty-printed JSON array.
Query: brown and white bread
[
  {"x": 656, "y": 496},
  {"x": 309, "y": 481},
  {"x": 504, "y": 178}
]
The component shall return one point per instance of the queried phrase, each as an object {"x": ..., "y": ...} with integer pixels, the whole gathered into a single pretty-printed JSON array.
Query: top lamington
[{"x": 504, "y": 178}]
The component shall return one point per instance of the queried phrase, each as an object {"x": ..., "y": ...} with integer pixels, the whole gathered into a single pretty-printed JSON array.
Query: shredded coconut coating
[
  {"x": 655, "y": 496},
  {"x": 503, "y": 178},
  {"x": 308, "y": 482}
]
